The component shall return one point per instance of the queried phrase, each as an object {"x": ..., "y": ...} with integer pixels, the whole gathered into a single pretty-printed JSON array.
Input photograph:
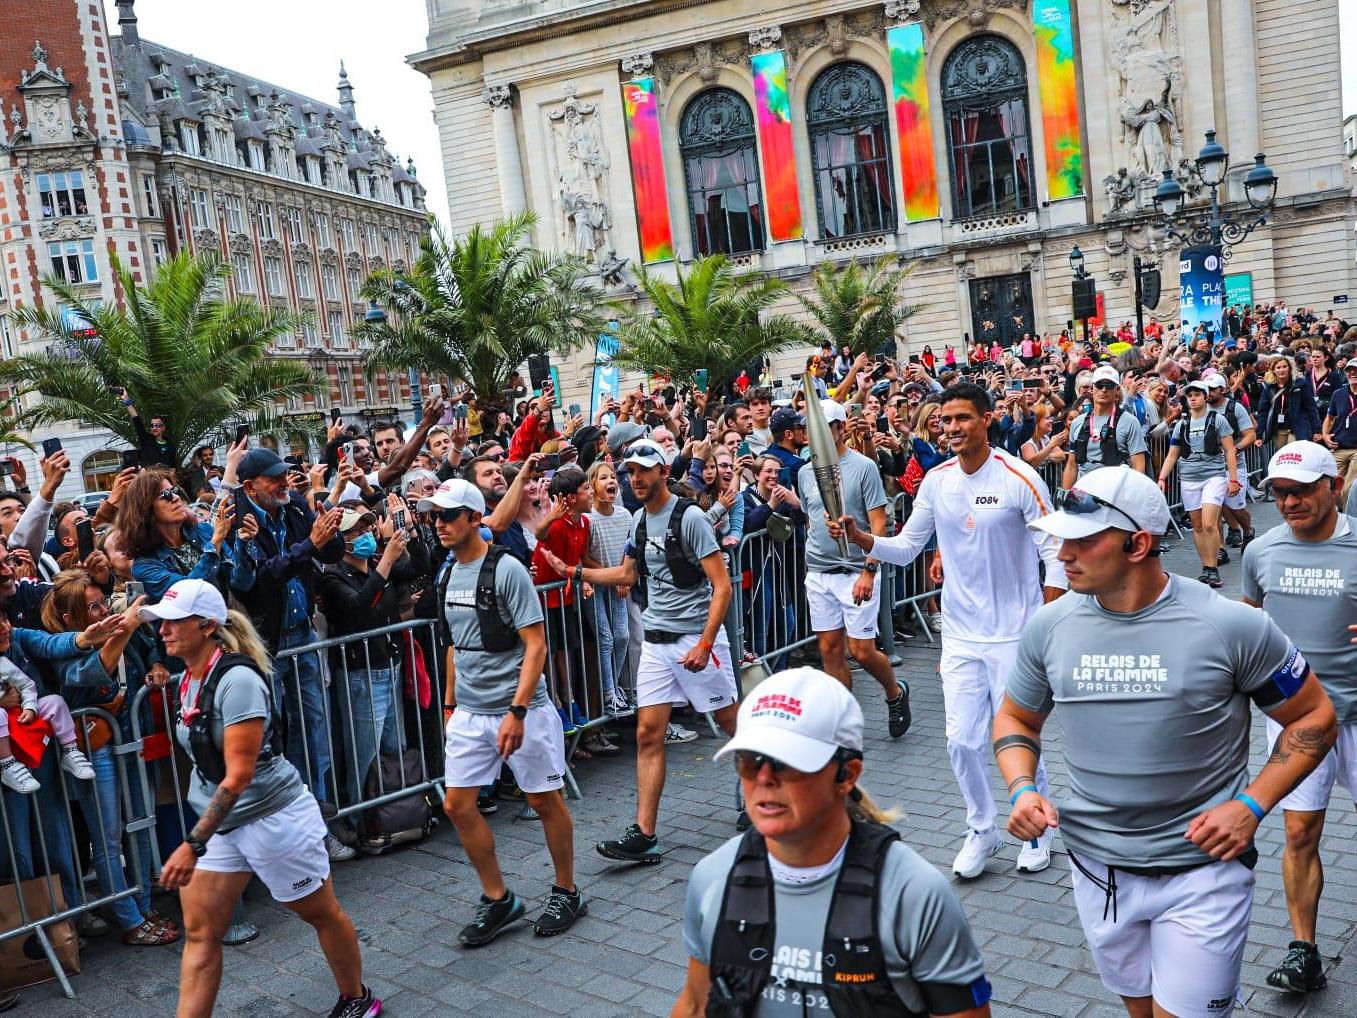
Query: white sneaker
[
  {"x": 970, "y": 861},
  {"x": 74, "y": 763},
  {"x": 1034, "y": 860},
  {"x": 618, "y": 704},
  {"x": 337, "y": 850},
  {"x": 18, "y": 777},
  {"x": 935, "y": 621},
  {"x": 675, "y": 734}
]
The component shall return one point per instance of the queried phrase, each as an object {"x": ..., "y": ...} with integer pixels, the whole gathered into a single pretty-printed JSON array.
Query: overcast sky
[{"x": 298, "y": 44}]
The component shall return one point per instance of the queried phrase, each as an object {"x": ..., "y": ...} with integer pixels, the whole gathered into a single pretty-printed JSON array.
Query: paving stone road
[{"x": 626, "y": 957}]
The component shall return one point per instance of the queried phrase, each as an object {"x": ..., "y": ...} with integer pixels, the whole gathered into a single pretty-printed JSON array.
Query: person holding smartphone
[{"x": 154, "y": 441}]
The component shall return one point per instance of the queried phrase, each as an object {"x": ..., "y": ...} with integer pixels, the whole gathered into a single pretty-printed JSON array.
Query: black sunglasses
[
  {"x": 171, "y": 495},
  {"x": 448, "y": 515},
  {"x": 1106, "y": 385}
]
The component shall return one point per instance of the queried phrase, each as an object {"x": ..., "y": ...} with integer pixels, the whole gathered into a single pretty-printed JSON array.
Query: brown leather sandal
[{"x": 150, "y": 934}]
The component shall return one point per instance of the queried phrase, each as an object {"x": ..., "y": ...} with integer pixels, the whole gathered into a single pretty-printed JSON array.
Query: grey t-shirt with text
[
  {"x": 1130, "y": 438},
  {"x": 242, "y": 696},
  {"x": 1309, "y": 588},
  {"x": 1154, "y": 708},
  {"x": 862, "y": 492},
  {"x": 924, "y": 933},
  {"x": 486, "y": 682},
  {"x": 668, "y": 607},
  {"x": 1189, "y": 434}
]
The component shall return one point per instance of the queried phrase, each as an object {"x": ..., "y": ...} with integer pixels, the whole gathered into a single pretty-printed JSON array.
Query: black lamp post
[
  {"x": 1212, "y": 225},
  {"x": 1080, "y": 275},
  {"x": 374, "y": 315}
]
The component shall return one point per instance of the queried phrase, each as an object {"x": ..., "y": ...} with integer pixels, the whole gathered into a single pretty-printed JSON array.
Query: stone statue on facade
[
  {"x": 581, "y": 172},
  {"x": 1145, "y": 53},
  {"x": 1120, "y": 188}
]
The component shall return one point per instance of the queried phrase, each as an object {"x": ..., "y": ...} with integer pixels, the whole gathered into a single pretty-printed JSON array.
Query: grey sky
[{"x": 299, "y": 43}]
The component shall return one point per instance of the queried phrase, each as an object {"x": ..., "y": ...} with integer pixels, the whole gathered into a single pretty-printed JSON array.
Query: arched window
[
  {"x": 721, "y": 171},
  {"x": 99, "y": 470},
  {"x": 984, "y": 99},
  {"x": 850, "y": 152}
]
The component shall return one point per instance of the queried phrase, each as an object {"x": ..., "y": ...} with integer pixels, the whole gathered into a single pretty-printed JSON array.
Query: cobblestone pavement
[{"x": 626, "y": 957}]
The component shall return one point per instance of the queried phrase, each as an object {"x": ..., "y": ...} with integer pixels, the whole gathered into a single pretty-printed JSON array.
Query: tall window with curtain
[
  {"x": 984, "y": 101},
  {"x": 850, "y": 152},
  {"x": 721, "y": 173}
]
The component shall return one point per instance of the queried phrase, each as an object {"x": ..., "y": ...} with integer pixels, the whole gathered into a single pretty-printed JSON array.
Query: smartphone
[
  {"x": 462, "y": 412},
  {"x": 84, "y": 538},
  {"x": 335, "y": 415},
  {"x": 346, "y": 453},
  {"x": 574, "y": 410},
  {"x": 130, "y": 458},
  {"x": 242, "y": 432},
  {"x": 399, "y": 517},
  {"x": 50, "y": 447},
  {"x": 1015, "y": 385},
  {"x": 539, "y": 371},
  {"x": 550, "y": 461},
  {"x": 967, "y": 369},
  {"x": 854, "y": 410},
  {"x": 700, "y": 380},
  {"x": 134, "y": 589},
  {"x": 7, "y": 467},
  {"x": 1031, "y": 383},
  {"x": 914, "y": 358},
  {"x": 744, "y": 450},
  {"x": 435, "y": 392}
]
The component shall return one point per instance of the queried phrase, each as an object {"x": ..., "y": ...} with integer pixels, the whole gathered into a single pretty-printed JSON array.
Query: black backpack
[
  {"x": 496, "y": 635},
  {"x": 1107, "y": 440},
  {"x": 1210, "y": 436},
  {"x": 685, "y": 575},
  {"x": 208, "y": 758}
]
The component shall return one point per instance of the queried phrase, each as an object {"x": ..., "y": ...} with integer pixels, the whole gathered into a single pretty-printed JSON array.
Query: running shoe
[
  {"x": 633, "y": 846},
  {"x": 618, "y": 705},
  {"x": 577, "y": 716},
  {"x": 1034, "y": 859},
  {"x": 337, "y": 850},
  {"x": 1301, "y": 971},
  {"x": 366, "y": 1006},
  {"x": 1205, "y": 576},
  {"x": 15, "y": 775},
  {"x": 74, "y": 763},
  {"x": 486, "y": 804},
  {"x": 970, "y": 861},
  {"x": 562, "y": 909},
  {"x": 240, "y": 933},
  {"x": 897, "y": 712},
  {"x": 1214, "y": 578},
  {"x": 1222, "y": 557},
  {"x": 491, "y": 919},
  {"x": 676, "y": 733},
  {"x": 1248, "y": 536},
  {"x": 935, "y": 621},
  {"x": 566, "y": 723}
]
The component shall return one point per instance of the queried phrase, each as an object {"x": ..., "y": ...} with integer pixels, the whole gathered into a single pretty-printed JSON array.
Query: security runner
[
  {"x": 497, "y": 710},
  {"x": 820, "y": 909},
  {"x": 1152, "y": 677},
  {"x": 979, "y": 504},
  {"x": 1236, "y": 508},
  {"x": 1108, "y": 435},
  {"x": 1303, "y": 573},
  {"x": 844, "y": 594},
  {"x": 685, "y": 656}
]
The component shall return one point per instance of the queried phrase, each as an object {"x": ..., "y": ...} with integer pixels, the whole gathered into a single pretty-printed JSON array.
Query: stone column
[
  {"x": 509, "y": 162},
  {"x": 1241, "y": 84}
]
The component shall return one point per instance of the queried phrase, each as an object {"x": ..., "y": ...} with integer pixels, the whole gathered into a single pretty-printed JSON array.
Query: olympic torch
[{"x": 824, "y": 457}]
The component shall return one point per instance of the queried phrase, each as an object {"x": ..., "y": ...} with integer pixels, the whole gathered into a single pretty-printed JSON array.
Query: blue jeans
[
  {"x": 16, "y": 814},
  {"x": 308, "y": 726},
  {"x": 611, "y": 614},
  {"x": 368, "y": 719},
  {"x": 104, "y": 817}
]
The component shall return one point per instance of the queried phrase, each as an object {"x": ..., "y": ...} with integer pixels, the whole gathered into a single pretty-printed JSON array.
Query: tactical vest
[
  {"x": 684, "y": 574},
  {"x": 208, "y": 758},
  {"x": 1107, "y": 441},
  {"x": 497, "y": 636},
  {"x": 1210, "y": 436}
]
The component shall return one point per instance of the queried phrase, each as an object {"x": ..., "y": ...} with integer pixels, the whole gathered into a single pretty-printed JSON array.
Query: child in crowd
[{"x": 52, "y": 709}]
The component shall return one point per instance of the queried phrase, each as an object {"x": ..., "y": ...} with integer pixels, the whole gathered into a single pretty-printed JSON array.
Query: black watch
[
  {"x": 872, "y": 567},
  {"x": 518, "y": 711},
  {"x": 199, "y": 847}
]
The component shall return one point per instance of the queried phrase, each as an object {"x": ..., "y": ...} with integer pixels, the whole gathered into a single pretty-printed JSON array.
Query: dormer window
[{"x": 188, "y": 138}]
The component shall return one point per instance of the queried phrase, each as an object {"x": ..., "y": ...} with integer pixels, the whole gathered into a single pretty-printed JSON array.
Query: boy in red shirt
[{"x": 565, "y": 532}]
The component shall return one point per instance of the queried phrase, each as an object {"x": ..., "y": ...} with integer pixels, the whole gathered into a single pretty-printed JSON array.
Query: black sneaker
[
  {"x": 1245, "y": 542},
  {"x": 1205, "y": 576},
  {"x": 1222, "y": 557},
  {"x": 633, "y": 846},
  {"x": 563, "y": 908},
  {"x": 742, "y": 822},
  {"x": 1214, "y": 578},
  {"x": 1234, "y": 539},
  {"x": 1301, "y": 971},
  {"x": 491, "y": 919},
  {"x": 898, "y": 714},
  {"x": 366, "y": 1006},
  {"x": 486, "y": 803}
]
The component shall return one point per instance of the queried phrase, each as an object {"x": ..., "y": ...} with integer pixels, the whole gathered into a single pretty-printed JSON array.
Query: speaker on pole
[
  {"x": 1149, "y": 288},
  {"x": 1085, "y": 294}
]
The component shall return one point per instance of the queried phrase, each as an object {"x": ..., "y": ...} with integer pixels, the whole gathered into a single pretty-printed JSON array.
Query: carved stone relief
[
  {"x": 580, "y": 165},
  {"x": 69, "y": 228},
  {"x": 205, "y": 238},
  {"x": 637, "y": 64},
  {"x": 976, "y": 12},
  {"x": 241, "y": 244}
]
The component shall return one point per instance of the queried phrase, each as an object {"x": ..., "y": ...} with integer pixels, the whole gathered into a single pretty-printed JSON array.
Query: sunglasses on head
[
  {"x": 171, "y": 495},
  {"x": 1081, "y": 503}
]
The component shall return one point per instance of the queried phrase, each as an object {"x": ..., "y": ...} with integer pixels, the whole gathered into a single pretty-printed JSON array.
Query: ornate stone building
[
  {"x": 979, "y": 139},
  {"x": 119, "y": 145}
]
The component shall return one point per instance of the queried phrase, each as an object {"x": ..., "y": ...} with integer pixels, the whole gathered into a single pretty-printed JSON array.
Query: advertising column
[{"x": 1201, "y": 279}]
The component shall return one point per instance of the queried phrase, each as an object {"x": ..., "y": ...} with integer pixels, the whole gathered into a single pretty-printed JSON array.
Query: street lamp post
[
  {"x": 1080, "y": 274},
  {"x": 376, "y": 316}
]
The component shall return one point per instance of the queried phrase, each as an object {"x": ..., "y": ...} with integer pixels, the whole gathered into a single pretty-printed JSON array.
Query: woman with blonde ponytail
[
  {"x": 256, "y": 816},
  {"x": 819, "y": 905}
]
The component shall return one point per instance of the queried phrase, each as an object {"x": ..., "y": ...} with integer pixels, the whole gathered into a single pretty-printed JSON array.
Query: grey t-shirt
[
  {"x": 923, "y": 929},
  {"x": 486, "y": 681},
  {"x": 1189, "y": 434},
  {"x": 1154, "y": 708},
  {"x": 670, "y": 608},
  {"x": 242, "y": 696},
  {"x": 1309, "y": 588},
  {"x": 862, "y": 492},
  {"x": 1130, "y": 437},
  {"x": 1237, "y": 418}
]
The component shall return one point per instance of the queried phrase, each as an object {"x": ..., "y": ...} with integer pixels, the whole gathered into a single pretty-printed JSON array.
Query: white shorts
[
  {"x": 1179, "y": 939},
  {"x": 1239, "y": 500},
  {"x": 660, "y": 679},
  {"x": 286, "y": 850},
  {"x": 830, "y": 596},
  {"x": 472, "y": 760},
  {"x": 1209, "y": 492},
  {"x": 1339, "y": 765}
]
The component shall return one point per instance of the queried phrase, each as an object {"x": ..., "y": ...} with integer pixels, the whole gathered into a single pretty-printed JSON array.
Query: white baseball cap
[
  {"x": 188, "y": 599},
  {"x": 1302, "y": 462},
  {"x": 646, "y": 453},
  {"x": 1214, "y": 381},
  {"x": 1105, "y": 373},
  {"x": 834, "y": 411},
  {"x": 1104, "y": 498},
  {"x": 1200, "y": 385},
  {"x": 454, "y": 494},
  {"x": 801, "y": 717}
]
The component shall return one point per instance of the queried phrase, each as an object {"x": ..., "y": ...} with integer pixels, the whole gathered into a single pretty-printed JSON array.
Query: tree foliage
[{"x": 859, "y": 307}]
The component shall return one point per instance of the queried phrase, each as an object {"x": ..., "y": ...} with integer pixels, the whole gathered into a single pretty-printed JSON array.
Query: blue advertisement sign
[
  {"x": 607, "y": 379},
  {"x": 1201, "y": 280}
]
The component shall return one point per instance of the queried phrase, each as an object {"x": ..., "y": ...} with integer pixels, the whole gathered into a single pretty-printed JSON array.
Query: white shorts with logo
[
  {"x": 1179, "y": 939},
  {"x": 660, "y": 679},
  {"x": 286, "y": 850},
  {"x": 1240, "y": 499},
  {"x": 1209, "y": 492},
  {"x": 830, "y": 597},
  {"x": 1340, "y": 765},
  {"x": 471, "y": 755}
]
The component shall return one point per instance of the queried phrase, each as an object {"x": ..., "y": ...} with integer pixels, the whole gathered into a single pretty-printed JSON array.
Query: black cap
[{"x": 261, "y": 463}]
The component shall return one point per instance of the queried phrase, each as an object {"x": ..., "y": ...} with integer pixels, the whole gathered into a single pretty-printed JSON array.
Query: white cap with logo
[
  {"x": 188, "y": 599},
  {"x": 454, "y": 494},
  {"x": 1105, "y": 498},
  {"x": 1105, "y": 373},
  {"x": 1302, "y": 462},
  {"x": 801, "y": 717}
]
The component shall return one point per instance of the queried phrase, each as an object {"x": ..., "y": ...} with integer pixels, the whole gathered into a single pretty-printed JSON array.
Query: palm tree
[
  {"x": 179, "y": 345},
  {"x": 476, "y": 308},
  {"x": 713, "y": 318},
  {"x": 860, "y": 308}
]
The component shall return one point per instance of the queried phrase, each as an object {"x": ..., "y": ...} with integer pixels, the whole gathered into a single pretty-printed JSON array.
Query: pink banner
[
  {"x": 640, "y": 101},
  {"x": 773, "y": 110}
]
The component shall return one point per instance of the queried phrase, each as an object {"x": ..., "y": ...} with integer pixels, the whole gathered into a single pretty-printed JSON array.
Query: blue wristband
[
  {"x": 1013, "y": 799},
  {"x": 1252, "y": 804}
]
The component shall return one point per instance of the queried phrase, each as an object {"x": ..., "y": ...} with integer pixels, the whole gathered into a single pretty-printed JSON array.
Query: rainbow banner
[
  {"x": 1059, "y": 98},
  {"x": 773, "y": 109},
  {"x": 642, "y": 110},
  {"x": 909, "y": 92}
]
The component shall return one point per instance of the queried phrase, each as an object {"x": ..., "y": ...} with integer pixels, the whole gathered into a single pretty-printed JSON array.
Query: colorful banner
[
  {"x": 607, "y": 380},
  {"x": 909, "y": 92},
  {"x": 773, "y": 110},
  {"x": 1059, "y": 98},
  {"x": 640, "y": 102},
  {"x": 1201, "y": 279}
]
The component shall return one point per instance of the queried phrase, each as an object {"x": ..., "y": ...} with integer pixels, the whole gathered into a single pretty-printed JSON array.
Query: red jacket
[
  {"x": 567, "y": 540},
  {"x": 528, "y": 438}
]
